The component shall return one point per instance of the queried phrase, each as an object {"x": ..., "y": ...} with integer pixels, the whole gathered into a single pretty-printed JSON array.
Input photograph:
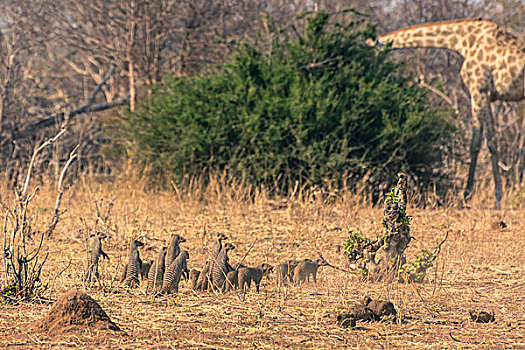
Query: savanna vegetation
[
  {"x": 273, "y": 123},
  {"x": 305, "y": 108}
]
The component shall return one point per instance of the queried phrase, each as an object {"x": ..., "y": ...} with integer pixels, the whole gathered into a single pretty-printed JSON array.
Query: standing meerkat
[
  {"x": 202, "y": 282},
  {"x": 134, "y": 263},
  {"x": 255, "y": 274},
  {"x": 305, "y": 268},
  {"x": 156, "y": 273},
  {"x": 232, "y": 281},
  {"x": 220, "y": 267},
  {"x": 174, "y": 273},
  {"x": 94, "y": 255},
  {"x": 173, "y": 249}
]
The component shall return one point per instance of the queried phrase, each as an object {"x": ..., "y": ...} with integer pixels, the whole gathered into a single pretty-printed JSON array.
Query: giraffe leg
[
  {"x": 493, "y": 148},
  {"x": 475, "y": 146},
  {"x": 481, "y": 108}
]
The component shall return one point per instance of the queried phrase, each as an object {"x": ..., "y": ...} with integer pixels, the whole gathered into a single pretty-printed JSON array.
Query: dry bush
[{"x": 23, "y": 258}]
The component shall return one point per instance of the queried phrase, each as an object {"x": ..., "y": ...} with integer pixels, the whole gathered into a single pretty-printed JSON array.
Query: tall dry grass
[{"x": 480, "y": 267}]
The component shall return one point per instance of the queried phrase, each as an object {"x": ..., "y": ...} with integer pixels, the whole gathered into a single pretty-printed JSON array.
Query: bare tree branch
[{"x": 56, "y": 216}]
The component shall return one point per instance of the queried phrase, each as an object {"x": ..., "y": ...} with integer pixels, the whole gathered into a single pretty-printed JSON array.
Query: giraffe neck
[{"x": 459, "y": 35}]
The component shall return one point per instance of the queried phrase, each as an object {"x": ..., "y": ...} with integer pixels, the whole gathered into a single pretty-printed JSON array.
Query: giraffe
[{"x": 493, "y": 69}]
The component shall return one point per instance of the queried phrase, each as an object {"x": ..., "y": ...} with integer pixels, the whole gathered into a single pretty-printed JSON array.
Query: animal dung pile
[
  {"x": 498, "y": 225},
  {"x": 369, "y": 311},
  {"x": 72, "y": 311},
  {"x": 482, "y": 316}
]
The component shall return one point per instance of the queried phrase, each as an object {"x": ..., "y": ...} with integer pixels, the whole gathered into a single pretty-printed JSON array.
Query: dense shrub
[{"x": 321, "y": 105}]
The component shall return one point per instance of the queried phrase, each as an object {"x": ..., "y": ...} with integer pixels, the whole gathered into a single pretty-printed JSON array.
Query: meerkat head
[
  {"x": 181, "y": 239},
  {"x": 229, "y": 246},
  {"x": 267, "y": 267},
  {"x": 99, "y": 234},
  {"x": 367, "y": 300}
]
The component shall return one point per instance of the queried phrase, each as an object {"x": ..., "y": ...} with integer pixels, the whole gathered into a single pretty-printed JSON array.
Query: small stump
[{"x": 73, "y": 311}]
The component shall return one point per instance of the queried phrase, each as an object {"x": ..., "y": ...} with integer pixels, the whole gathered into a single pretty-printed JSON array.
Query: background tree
[
  {"x": 308, "y": 107},
  {"x": 54, "y": 54}
]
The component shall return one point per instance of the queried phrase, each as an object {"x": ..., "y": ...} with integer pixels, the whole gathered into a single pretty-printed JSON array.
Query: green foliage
[
  {"x": 323, "y": 106},
  {"x": 393, "y": 196},
  {"x": 417, "y": 269},
  {"x": 355, "y": 244},
  {"x": 406, "y": 221}
]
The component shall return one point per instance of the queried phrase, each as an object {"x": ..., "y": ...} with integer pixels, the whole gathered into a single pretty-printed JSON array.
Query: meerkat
[
  {"x": 134, "y": 263},
  {"x": 202, "y": 282},
  {"x": 174, "y": 273},
  {"x": 255, "y": 274},
  {"x": 284, "y": 272},
  {"x": 232, "y": 281},
  {"x": 220, "y": 267},
  {"x": 305, "y": 268},
  {"x": 94, "y": 255},
  {"x": 193, "y": 278},
  {"x": 156, "y": 273},
  {"x": 173, "y": 249},
  {"x": 144, "y": 269}
]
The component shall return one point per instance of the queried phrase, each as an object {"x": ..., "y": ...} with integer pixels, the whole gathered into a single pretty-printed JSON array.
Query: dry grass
[{"x": 480, "y": 267}]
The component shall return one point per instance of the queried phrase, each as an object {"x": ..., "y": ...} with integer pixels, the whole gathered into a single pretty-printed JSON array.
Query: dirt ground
[{"x": 481, "y": 267}]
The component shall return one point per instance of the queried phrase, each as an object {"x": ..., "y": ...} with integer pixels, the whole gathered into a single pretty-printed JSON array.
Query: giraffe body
[{"x": 494, "y": 69}]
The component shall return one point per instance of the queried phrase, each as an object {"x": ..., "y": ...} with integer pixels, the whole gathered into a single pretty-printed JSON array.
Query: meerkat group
[{"x": 164, "y": 273}]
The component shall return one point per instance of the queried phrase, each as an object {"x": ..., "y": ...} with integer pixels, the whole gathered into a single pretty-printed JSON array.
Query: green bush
[{"x": 320, "y": 106}]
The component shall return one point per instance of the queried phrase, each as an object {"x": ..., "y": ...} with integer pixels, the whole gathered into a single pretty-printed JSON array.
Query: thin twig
[
  {"x": 332, "y": 266},
  {"x": 247, "y": 252},
  {"x": 60, "y": 273},
  {"x": 6, "y": 250},
  {"x": 455, "y": 339},
  {"x": 116, "y": 272}
]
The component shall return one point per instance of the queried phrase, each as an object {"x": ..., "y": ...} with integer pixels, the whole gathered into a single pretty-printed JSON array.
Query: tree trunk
[{"x": 386, "y": 260}]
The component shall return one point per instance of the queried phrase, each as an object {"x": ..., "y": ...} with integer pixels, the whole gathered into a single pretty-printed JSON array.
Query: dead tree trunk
[{"x": 386, "y": 254}]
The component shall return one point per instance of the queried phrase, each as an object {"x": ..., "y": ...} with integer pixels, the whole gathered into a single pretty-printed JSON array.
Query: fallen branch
[{"x": 56, "y": 118}]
